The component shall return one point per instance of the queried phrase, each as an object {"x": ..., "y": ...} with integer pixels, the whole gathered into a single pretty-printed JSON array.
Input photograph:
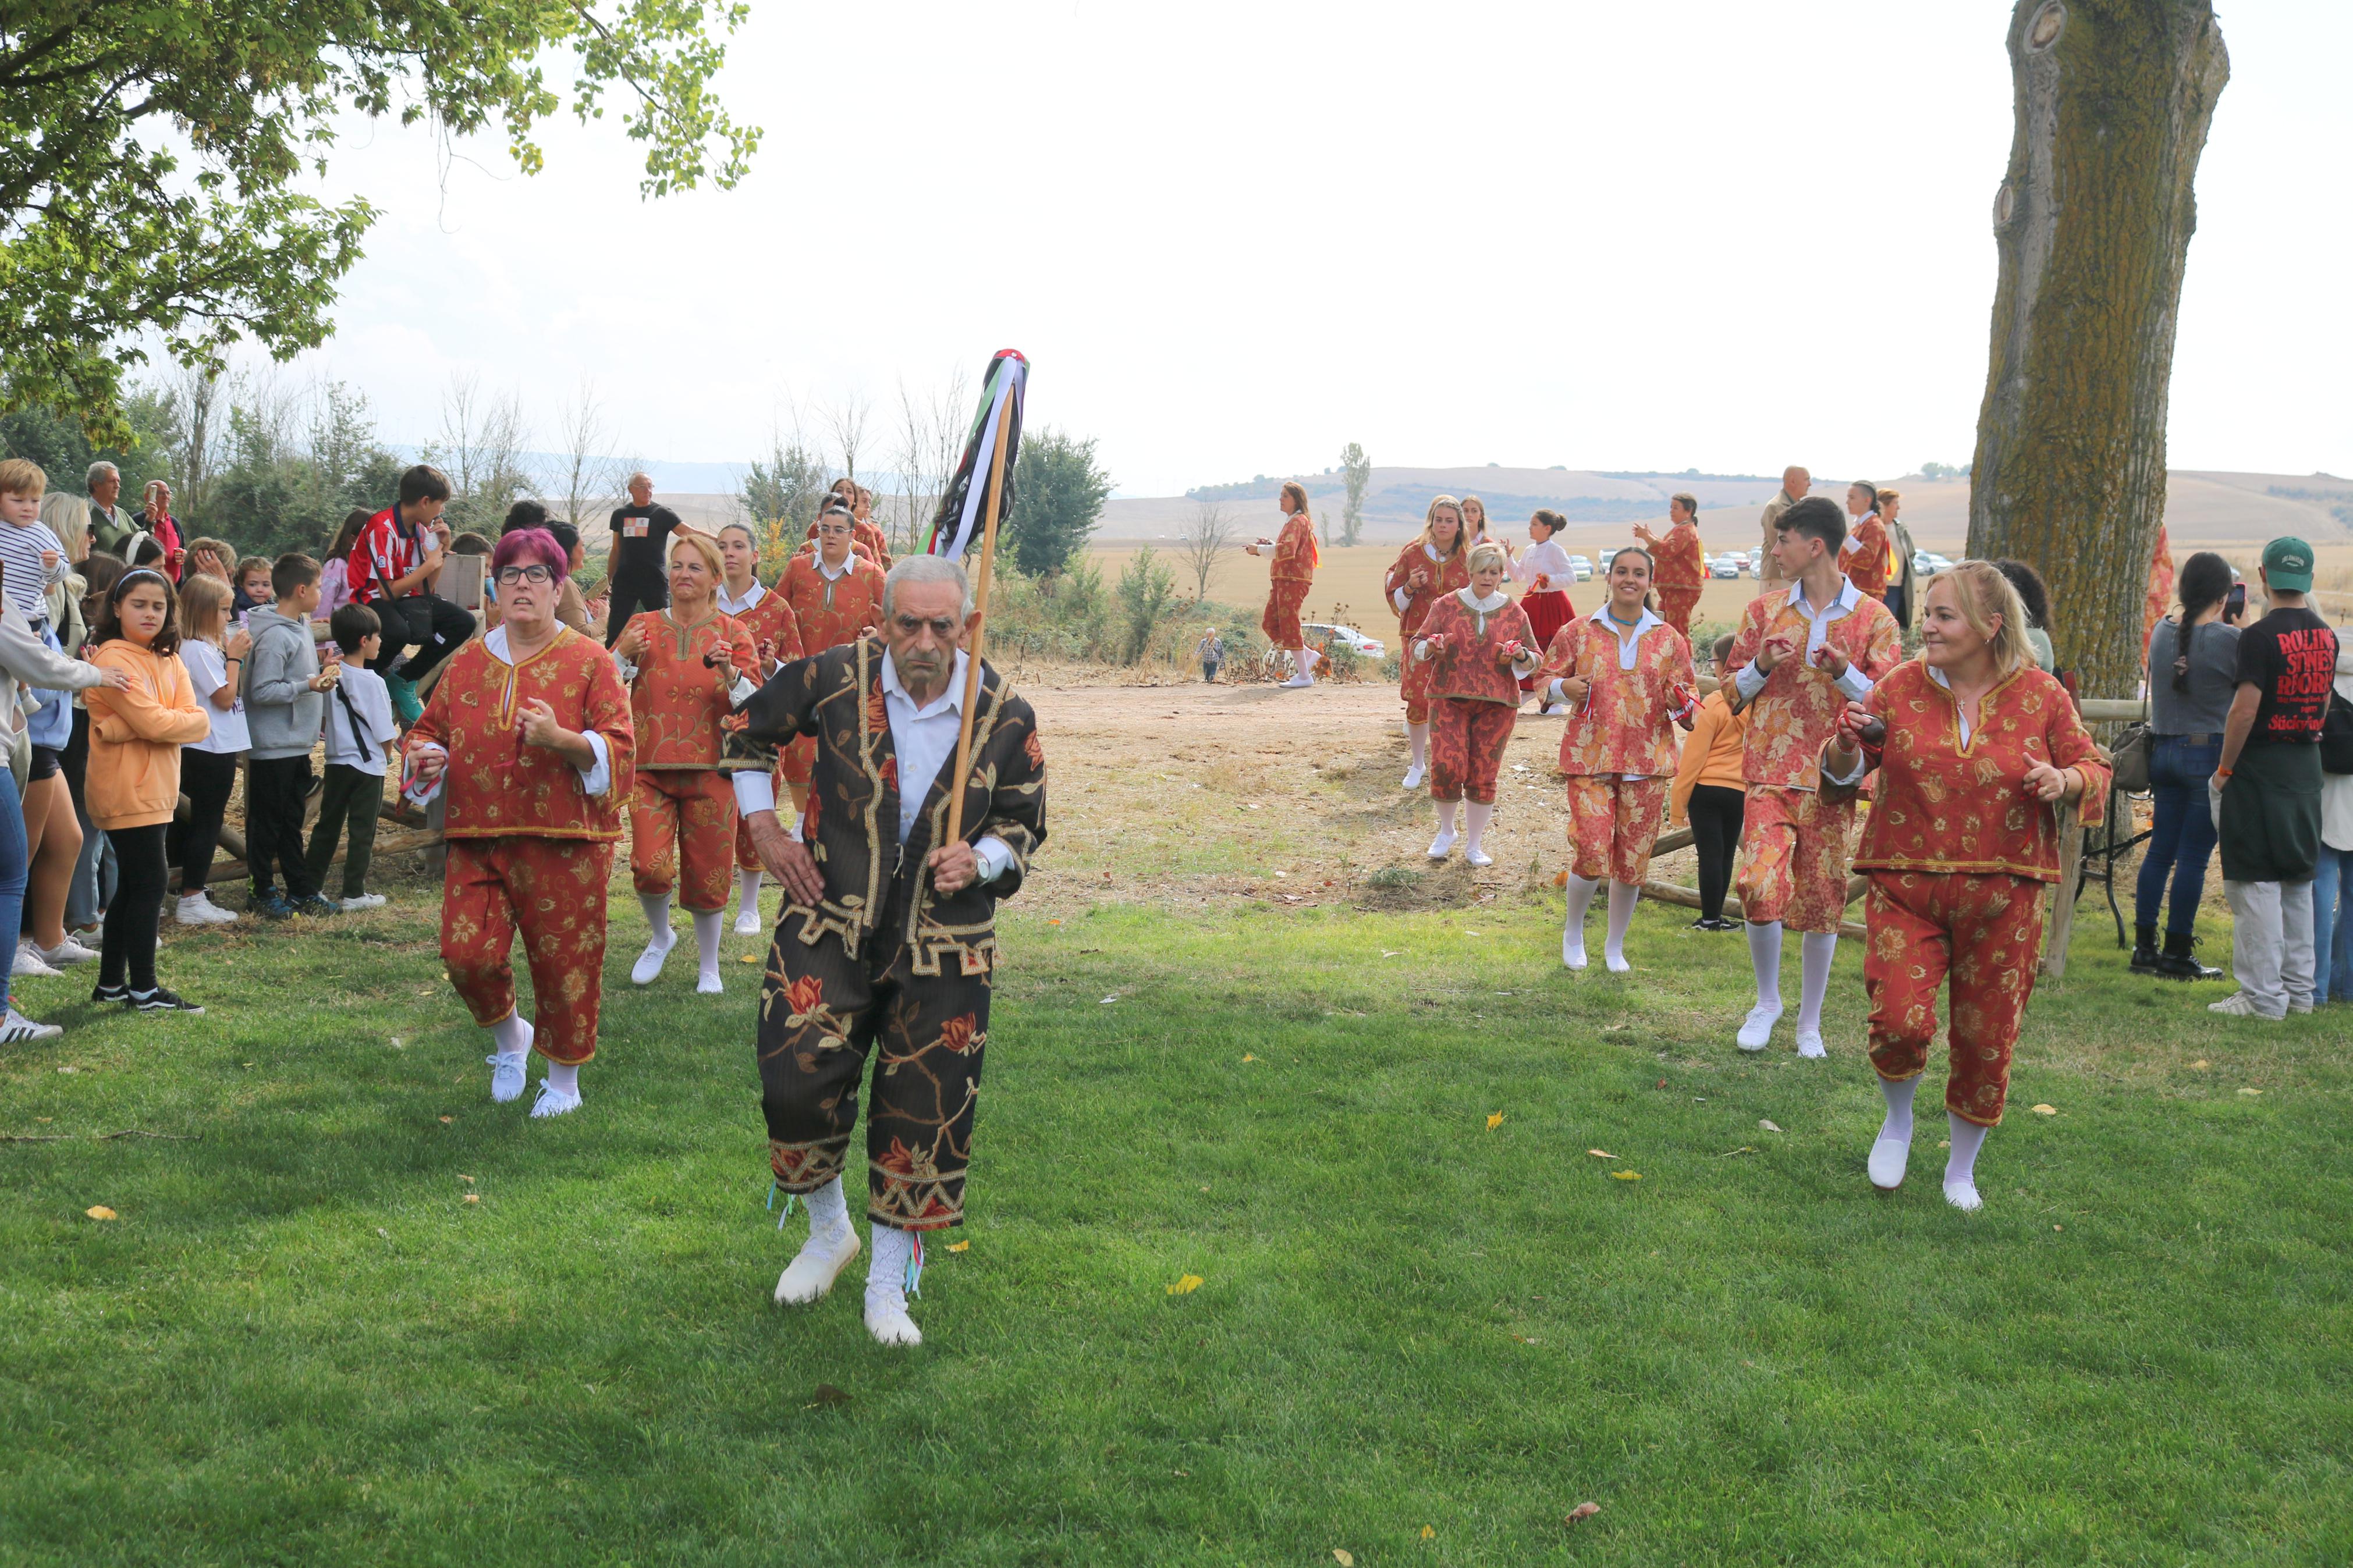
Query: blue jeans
[
  {"x": 2332, "y": 926},
  {"x": 13, "y": 867},
  {"x": 2183, "y": 839}
]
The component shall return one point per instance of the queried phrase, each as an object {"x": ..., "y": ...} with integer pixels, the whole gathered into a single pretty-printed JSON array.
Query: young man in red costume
[{"x": 1804, "y": 651}]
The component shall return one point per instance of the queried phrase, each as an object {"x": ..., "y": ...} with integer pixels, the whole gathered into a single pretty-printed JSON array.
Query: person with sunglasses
[{"x": 529, "y": 731}]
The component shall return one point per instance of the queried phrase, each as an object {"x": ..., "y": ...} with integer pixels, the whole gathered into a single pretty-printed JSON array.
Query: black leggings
[
  {"x": 1715, "y": 816},
  {"x": 128, "y": 939},
  {"x": 205, "y": 778}
]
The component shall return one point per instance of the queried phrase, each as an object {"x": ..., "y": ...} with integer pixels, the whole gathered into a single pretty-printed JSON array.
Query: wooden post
[{"x": 990, "y": 507}]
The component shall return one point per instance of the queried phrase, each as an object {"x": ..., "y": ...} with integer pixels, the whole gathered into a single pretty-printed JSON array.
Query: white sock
[
  {"x": 829, "y": 1212},
  {"x": 1476, "y": 829},
  {"x": 1764, "y": 957},
  {"x": 1306, "y": 672},
  {"x": 1417, "y": 737},
  {"x": 1580, "y": 900},
  {"x": 886, "y": 1269},
  {"x": 1814, "y": 966},
  {"x": 1961, "y": 1164},
  {"x": 1623, "y": 896},
  {"x": 747, "y": 893},
  {"x": 657, "y": 907},
  {"x": 563, "y": 1077},
  {"x": 512, "y": 1036},
  {"x": 708, "y": 924},
  {"x": 1898, "y": 1125},
  {"x": 1446, "y": 818}
]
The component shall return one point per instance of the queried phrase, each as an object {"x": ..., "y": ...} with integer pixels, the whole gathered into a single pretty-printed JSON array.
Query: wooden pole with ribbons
[{"x": 989, "y": 509}]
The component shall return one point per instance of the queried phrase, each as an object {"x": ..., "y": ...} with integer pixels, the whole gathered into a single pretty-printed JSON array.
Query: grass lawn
[{"x": 1418, "y": 1338}]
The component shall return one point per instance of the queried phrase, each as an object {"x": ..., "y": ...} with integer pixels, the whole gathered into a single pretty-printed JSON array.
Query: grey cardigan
[{"x": 26, "y": 660}]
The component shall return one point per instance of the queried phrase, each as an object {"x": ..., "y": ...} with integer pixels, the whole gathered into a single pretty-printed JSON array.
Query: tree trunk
[{"x": 2093, "y": 221}]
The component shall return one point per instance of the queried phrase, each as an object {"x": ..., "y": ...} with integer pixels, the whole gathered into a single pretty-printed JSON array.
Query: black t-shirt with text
[
  {"x": 642, "y": 547},
  {"x": 2291, "y": 656}
]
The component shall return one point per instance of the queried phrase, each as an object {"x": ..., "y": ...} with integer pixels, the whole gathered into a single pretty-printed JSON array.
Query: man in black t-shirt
[
  {"x": 638, "y": 571},
  {"x": 2266, "y": 791}
]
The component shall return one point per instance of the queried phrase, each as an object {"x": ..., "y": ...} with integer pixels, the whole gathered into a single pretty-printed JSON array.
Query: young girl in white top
[
  {"x": 214, "y": 655},
  {"x": 1544, "y": 567}
]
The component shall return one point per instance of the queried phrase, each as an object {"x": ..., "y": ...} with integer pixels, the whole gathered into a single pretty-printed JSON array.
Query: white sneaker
[
  {"x": 2238, "y": 1005},
  {"x": 1889, "y": 1156},
  {"x": 707, "y": 984},
  {"x": 16, "y": 1028},
  {"x": 649, "y": 962},
  {"x": 70, "y": 952},
  {"x": 198, "y": 910},
  {"x": 554, "y": 1101},
  {"x": 887, "y": 1320},
  {"x": 1756, "y": 1029},
  {"x": 1415, "y": 777},
  {"x": 2297, "y": 1004},
  {"x": 1963, "y": 1195},
  {"x": 815, "y": 1267},
  {"x": 1440, "y": 845},
  {"x": 1293, "y": 684},
  {"x": 747, "y": 923},
  {"x": 1809, "y": 1045},
  {"x": 29, "y": 965},
  {"x": 362, "y": 902},
  {"x": 1478, "y": 857},
  {"x": 507, "y": 1075}
]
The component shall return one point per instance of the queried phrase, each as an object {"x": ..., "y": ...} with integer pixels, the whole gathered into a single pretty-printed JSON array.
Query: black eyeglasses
[{"x": 509, "y": 575}]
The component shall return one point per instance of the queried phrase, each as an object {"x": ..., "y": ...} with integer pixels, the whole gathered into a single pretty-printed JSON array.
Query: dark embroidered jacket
[{"x": 873, "y": 883}]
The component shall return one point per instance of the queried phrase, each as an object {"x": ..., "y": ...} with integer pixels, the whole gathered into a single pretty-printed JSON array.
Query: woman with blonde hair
[
  {"x": 1979, "y": 750},
  {"x": 1478, "y": 646},
  {"x": 1293, "y": 573},
  {"x": 1474, "y": 520},
  {"x": 1438, "y": 563}
]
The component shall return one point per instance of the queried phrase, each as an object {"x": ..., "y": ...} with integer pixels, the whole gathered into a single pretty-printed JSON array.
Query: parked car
[
  {"x": 1580, "y": 568},
  {"x": 1365, "y": 646},
  {"x": 1927, "y": 564},
  {"x": 1607, "y": 557},
  {"x": 1725, "y": 566}
]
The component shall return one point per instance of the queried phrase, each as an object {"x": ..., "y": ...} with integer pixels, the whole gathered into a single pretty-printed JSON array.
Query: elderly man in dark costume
[{"x": 888, "y": 934}]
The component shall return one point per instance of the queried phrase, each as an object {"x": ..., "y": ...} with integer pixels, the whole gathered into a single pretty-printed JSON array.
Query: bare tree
[
  {"x": 197, "y": 391},
  {"x": 846, "y": 418},
  {"x": 582, "y": 480},
  {"x": 1212, "y": 529},
  {"x": 931, "y": 443},
  {"x": 481, "y": 448}
]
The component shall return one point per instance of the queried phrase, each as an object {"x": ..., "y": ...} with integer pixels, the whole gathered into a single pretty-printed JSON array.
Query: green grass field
[{"x": 1418, "y": 1339}]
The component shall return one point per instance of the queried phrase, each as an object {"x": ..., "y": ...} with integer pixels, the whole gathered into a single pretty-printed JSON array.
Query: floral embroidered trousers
[
  {"x": 1676, "y": 603},
  {"x": 1467, "y": 737},
  {"x": 1983, "y": 934},
  {"x": 682, "y": 820},
  {"x": 553, "y": 891},
  {"x": 1793, "y": 849},
  {"x": 1281, "y": 621},
  {"x": 1613, "y": 821},
  {"x": 824, "y": 1015}
]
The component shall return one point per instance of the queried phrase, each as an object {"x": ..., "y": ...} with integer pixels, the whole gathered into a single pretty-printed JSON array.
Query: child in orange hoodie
[{"x": 133, "y": 781}]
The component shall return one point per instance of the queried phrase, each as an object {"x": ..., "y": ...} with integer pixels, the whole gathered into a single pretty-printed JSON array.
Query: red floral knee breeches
[
  {"x": 1467, "y": 738},
  {"x": 1983, "y": 934},
  {"x": 552, "y": 890},
  {"x": 683, "y": 836},
  {"x": 1793, "y": 852},
  {"x": 1676, "y": 604},
  {"x": 1612, "y": 823}
]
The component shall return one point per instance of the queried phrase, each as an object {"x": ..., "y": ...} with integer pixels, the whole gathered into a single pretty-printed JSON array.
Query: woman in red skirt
[
  {"x": 1544, "y": 568},
  {"x": 1432, "y": 566},
  {"x": 1478, "y": 645},
  {"x": 1978, "y": 750}
]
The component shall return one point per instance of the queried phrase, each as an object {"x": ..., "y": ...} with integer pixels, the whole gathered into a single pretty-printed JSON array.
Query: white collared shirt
[
  {"x": 835, "y": 573},
  {"x": 730, "y": 606},
  {"x": 1628, "y": 648},
  {"x": 1403, "y": 597},
  {"x": 1853, "y": 683},
  {"x": 594, "y": 780},
  {"x": 924, "y": 740},
  {"x": 1546, "y": 558}
]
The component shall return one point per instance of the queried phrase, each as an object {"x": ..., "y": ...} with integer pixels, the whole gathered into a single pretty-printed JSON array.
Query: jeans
[
  {"x": 2332, "y": 926},
  {"x": 92, "y": 887},
  {"x": 13, "y": 867},
  {"x": 2183, "y": 839}
]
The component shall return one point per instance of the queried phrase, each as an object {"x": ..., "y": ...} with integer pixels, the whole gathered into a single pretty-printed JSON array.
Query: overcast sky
[{"x": 1233, "y": 237}]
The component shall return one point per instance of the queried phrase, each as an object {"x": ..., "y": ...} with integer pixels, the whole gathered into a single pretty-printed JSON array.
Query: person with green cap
[{"x": 2266, "y": 791}]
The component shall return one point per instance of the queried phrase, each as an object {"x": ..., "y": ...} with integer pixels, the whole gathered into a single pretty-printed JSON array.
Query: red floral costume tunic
[
  {"x": 528, "y": 846},
  {"x": 831, "y": 610},
  {"x": 1680, "y": 572},
  {"x": 771, "y": 624},
  {"x": 1476, "y": 691},
  {"x": 1865, "y": 565},
  {"x": 2161, "y": 592},
  {"x": 1957, "y": 851},
  {"x": 1289, "y": 578},
  {"x": 1617, "y": 750},
  {"x": 682, "y": 809},
  {"x": 1793, "y": 841},
  {"x": 1445, "y": 577}
]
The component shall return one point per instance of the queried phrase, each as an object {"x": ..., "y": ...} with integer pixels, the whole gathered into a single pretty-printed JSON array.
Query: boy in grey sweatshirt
[{"x": 284, "y": 708}]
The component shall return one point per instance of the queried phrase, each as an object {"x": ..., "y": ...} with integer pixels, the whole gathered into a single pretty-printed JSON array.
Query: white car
[
  {"x": 1580, "y": 568},
  {"x": 1349, "y": 636},
  {"x": 1725, "y": 566},
  {"x": 1927, "y": 564}
]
